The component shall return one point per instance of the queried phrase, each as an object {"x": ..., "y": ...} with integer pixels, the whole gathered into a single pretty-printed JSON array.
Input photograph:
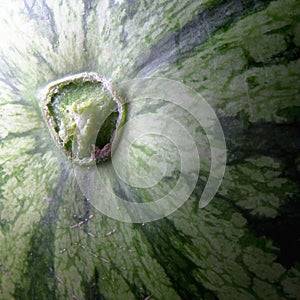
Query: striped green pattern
[{"x": 243, "y": 57}]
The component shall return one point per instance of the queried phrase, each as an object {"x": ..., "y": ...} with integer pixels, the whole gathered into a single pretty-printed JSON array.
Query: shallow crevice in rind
[
  {"x": 245, "y": 139},
  {"x": 284, "y": 230}
]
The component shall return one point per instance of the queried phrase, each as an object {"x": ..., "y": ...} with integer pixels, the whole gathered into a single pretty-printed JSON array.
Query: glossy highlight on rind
[{"x": 78, "y": 141}]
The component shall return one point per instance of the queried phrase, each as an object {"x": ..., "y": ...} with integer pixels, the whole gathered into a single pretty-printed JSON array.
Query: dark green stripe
[
  {"x": 291, "y": 53},
  {"x": 181, "y": 43},
  {"x": 178, "y": 267},
  {"x": 42, "y": 60},
  {"x": 245, "y": 139},
  {"x": 92, "y": 287},
  {"x": 282, "y": 142},
  {"x": 38, "y": 281},
  {"x": 89, "y": 7},
  {"x": 39, "y": 11},
  {"x": 7, "y": 82}
]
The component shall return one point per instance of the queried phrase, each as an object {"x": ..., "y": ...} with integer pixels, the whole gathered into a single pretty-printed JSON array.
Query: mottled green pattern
[
  {"x": 245, "y": 243},
  {"x": 258, "y": 186},
  {"x": 251, "y": 67}
]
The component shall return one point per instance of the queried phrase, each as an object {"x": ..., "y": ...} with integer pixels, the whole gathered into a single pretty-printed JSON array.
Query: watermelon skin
[{"x": 245, "y": 243}]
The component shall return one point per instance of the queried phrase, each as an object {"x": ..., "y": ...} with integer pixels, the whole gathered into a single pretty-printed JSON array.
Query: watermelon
[{"x": 202, "y": 112}]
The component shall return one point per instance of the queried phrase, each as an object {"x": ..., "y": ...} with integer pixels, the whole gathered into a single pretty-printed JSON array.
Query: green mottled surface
[{"x": 244, "y": 59}]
